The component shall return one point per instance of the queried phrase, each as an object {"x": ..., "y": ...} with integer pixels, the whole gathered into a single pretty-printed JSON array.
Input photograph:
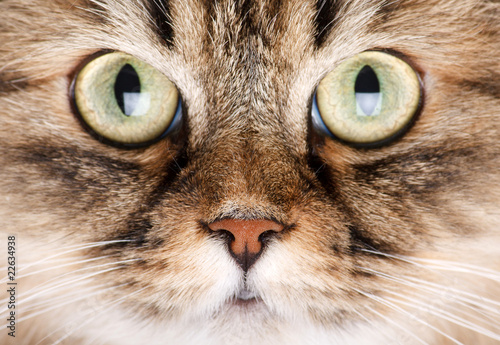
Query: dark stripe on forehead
[
  {"x": 387, "y": 10},
  {"x": 325, "y": 19},
  {"x": 242, "y": 7},
  {"x": 244, "y": 10},
  {"x": 160, "y": 11}
]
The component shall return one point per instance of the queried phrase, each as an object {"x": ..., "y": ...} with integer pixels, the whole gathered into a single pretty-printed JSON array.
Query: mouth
[{"x": 246, "y": 298}]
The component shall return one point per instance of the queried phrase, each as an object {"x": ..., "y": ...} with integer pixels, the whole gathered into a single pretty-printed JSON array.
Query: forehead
[
  {"x": 241, "y": 61},
  {"x": 270, "y": 20},
  {"x": 254, "y": 65}
]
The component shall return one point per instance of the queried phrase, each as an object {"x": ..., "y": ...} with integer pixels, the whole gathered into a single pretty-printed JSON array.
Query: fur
[{"x": 392, "y": 245}]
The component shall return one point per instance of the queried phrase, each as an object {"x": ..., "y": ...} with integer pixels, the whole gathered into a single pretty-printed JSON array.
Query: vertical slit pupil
[
  {"x": 367, "y": 90},
  {"x": 367, "y": 81},
  {"x": 127, "y": 89}
]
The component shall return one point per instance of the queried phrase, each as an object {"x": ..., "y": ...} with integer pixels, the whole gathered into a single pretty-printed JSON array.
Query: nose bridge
[
  {"x": 249, "y": 172},
  {"x": 239, "y": 156},
  {"x": 248, "y": 180}
]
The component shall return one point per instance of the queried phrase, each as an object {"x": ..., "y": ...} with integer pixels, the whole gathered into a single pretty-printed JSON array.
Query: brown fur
[{"x": 360, "y": 222}]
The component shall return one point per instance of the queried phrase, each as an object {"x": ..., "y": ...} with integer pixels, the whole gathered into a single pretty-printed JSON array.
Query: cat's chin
[{"x": 246, "y": 295}]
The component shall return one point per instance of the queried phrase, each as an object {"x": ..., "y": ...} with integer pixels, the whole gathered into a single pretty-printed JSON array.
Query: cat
[{"x": 250, "y": 172}]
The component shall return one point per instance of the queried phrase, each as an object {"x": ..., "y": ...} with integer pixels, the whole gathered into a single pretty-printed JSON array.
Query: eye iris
[
  {"x": 367, "y": 91},
  {"x": 125, "y": 101},
  {"x": 368, "y": 100},
  {"x": 127, "y": 89}
]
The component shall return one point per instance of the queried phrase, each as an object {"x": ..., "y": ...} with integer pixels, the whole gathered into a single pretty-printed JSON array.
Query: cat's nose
[{"x": 246, "y": 241}]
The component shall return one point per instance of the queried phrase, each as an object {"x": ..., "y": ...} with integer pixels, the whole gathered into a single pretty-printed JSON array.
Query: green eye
[
  {"x": 125, "y": 100},
  {"x": 368, "y": 99}
]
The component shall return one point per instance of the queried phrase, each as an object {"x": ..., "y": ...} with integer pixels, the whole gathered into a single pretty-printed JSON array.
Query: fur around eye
[
  {"x": 126, "y": 101},
  {"x": 368, "y": 100}
]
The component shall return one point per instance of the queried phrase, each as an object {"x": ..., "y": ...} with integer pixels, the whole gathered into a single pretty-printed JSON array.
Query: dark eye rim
[
  {"x": 173, "y": 129},
  {"x": 325, "y": 132}
]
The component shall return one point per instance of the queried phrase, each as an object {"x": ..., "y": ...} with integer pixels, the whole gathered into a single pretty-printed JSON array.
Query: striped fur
[{"x": 393, "y": 245}]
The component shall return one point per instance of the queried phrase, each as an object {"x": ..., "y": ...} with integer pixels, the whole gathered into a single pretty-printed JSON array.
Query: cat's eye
[
  {"x": 368, "y": 99},
  {"x": 125, "y": 100}
]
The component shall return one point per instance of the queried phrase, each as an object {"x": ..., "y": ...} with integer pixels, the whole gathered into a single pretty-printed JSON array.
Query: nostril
[
  {"x": 225, "y": 235},
  {"x": 245, "y": 237},
  {"x": 266, "y": 235}
]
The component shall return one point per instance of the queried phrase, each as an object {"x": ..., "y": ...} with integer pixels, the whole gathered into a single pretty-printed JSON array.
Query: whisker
[
  {"x": 468, "y": 300},
  {"x": 113, "y": 303},
  {"x": 74, "y": 248},
  {"x": 393, "y": 306},
  {"x": 60, "y": 285},
  {"x": 462, "y": 268},
  {"x": 392, "y": 322},
  {"x": 69, "y": 302},
  {"x": 464, "y": 296},
  {"x": 459, "y": 294},
  {"x": 444, "y": 315},
  {"x": 74, "y": 292},
  {"x": 443, "y": 265},
  {"x": 71, "y": 263},
  {"x": 58, "y": 278},
  {"x": 484, "y": 319}
]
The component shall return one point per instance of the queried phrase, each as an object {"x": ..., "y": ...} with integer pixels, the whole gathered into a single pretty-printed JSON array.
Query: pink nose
[{"x": 246, "y": 233}]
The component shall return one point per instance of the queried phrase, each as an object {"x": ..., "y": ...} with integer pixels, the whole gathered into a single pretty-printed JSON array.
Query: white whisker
[
  {"x": 395, "y": 307},
  {"x": 439, "y": 289},
  {"x": 57, "y": 279},
  {"x": 443, "y": 265},
  {"x": 462, "y": 268},
  {"x": 38, "y": 304},
  {"x": 71, "y": 263},
  {"x": 60, "y": 285},
  {"x": 105, "y": 306},
  {"x": 80, "y": 297},
  {"x": 429, "y": 308},
  {"x": 465, "y": 309},
  {"x": 74, "y": 248},
  {"x": 392, "y": 322}
]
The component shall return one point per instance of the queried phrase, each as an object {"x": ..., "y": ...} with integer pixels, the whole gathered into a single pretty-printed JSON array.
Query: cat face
[{"x": 241, "y": 213}]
